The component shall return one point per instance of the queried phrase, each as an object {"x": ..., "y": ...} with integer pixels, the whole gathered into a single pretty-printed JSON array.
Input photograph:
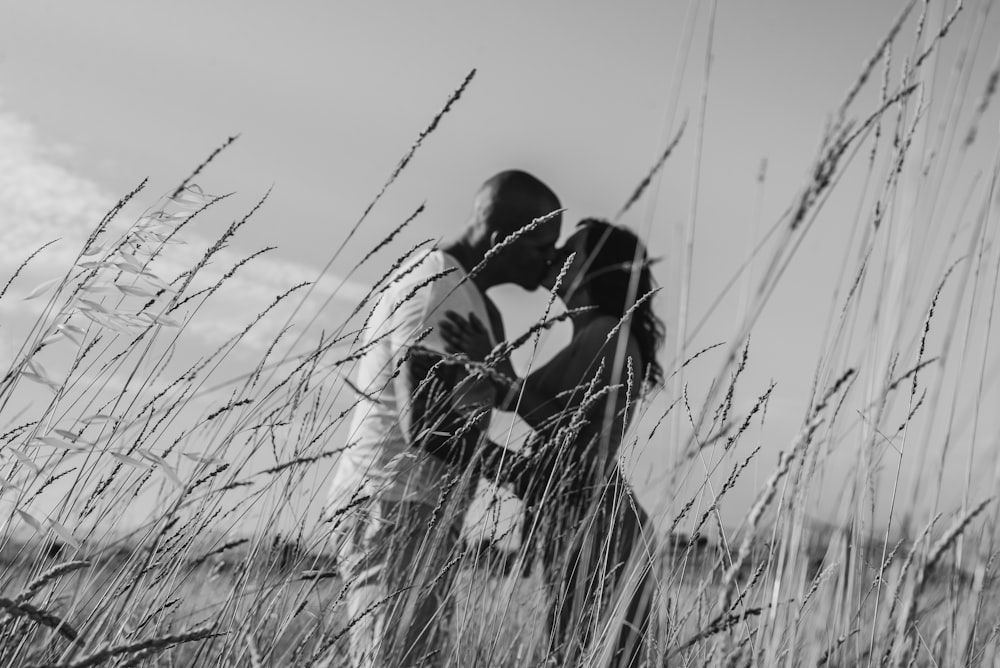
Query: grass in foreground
[{"x": 103, "y": 410}]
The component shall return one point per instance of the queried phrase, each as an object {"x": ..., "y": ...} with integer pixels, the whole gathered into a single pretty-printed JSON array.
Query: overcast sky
[{"x": 329, "y": 95}]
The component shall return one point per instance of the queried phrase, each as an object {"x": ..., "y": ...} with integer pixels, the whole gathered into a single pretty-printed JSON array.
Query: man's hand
[
  {"x": 439, "y": 428},
  {"x": 436, "y": 425},
  {"x": 469, "y": 337},
  {"x": 425, "y": 367},
  {"x": 529, "y": 471}
]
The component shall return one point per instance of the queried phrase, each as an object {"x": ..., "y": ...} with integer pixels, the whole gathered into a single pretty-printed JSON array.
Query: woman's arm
[
  {"x": 468, "y": 336},
  {"x": 561, "y": 385},
  {"x": 557, "y": 387},
  {"x": 589, "y": 388}
]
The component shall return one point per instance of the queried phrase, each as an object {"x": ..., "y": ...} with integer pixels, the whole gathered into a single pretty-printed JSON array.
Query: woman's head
[{"x": 611, "y": 272}]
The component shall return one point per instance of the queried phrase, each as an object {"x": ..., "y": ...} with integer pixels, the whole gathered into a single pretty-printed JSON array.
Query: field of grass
[
  {"x": 147, "y": 490},
  {"x": 278, "y": 605}
]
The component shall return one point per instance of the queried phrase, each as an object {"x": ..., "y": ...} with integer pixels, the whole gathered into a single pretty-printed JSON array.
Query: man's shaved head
[
  {"x": 511, "y": 199},
  {"x": 504, "y": 204}
]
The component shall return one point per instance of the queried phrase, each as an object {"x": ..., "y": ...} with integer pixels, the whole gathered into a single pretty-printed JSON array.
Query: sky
[{"x": 327, "y": 96}]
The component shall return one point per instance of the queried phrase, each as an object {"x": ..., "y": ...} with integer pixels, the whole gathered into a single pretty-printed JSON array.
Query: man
[{"x": 404, "y": 484}]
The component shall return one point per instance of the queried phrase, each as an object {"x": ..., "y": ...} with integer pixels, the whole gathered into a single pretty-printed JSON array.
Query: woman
[{"x": 582, "y": 520}]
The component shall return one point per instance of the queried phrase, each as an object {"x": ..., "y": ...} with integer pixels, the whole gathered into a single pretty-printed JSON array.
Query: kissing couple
[{"x": 430, "y": 373}]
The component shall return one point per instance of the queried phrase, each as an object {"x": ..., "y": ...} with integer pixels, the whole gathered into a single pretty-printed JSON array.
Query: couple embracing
[{"x": 418, "y": 439}]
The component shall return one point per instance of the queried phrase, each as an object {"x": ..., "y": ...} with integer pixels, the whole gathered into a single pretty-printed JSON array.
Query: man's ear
[{"x": 495, "y": 238}]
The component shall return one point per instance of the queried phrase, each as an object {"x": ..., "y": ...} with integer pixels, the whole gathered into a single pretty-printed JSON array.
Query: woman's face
[{"x": 572, "y": 283}]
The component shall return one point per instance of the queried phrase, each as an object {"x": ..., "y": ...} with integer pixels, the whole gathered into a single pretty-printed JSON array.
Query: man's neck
[{"x": 468, "y": 258}]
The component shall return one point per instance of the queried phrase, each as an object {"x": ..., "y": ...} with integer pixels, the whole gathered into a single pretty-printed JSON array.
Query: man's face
[{"x": 526, "y": 261}]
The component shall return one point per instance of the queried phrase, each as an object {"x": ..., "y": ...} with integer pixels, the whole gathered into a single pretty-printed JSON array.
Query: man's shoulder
[
  {"x": 423, "y": 275},
  {"x": 432, "y": 267},
  {"x": 433, "y": 284}
]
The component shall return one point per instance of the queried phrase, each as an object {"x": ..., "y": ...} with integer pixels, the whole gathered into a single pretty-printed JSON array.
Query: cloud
[{"x": 41, "y": 200}]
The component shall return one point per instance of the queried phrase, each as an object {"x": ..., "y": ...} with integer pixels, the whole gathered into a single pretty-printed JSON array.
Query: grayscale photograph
[{"x": 527, "y": 334}]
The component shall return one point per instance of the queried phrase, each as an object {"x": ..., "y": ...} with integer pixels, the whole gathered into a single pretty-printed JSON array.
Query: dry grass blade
[
  {"x": 24, "y": 264},
  {"x": 388, "y": 238},
  {"x": 757, "y": 510},
  {"x": 53, "y": 573},
  {"x": 903, "y": 645},
  {"x": 628, "y": 314},
  {"x": 950, "y": 535},
  {"x": 371, "y": 205},
  {"x": 644, "y": 184},
  {"x": 720, "y": 625},
  {"x": 941, "y": 33},
  {"x": 894, "y": 597},
  {"x": 883, "y": 46},
  {"x": 505, "y": 348},
  {"x": 404, "y": 161},
  {"x": 146, "y": 648},
  {"x": 197, "y": 170},
  {"x": 820, "y": 578},
  {"x": 990, "y": 89},
  {"x": 35, "y": 614}
]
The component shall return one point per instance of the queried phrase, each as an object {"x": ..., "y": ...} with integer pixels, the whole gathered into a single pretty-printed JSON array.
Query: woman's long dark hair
[{"x": 614, "y": 253}]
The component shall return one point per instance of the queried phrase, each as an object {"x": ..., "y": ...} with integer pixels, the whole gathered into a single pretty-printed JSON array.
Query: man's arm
[
  {"x": 440, "y": 423},
  {"x": 468, "y": 335}
]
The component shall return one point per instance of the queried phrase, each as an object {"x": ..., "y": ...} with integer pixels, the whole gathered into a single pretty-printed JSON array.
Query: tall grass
[{"x": 125, "y": 420}]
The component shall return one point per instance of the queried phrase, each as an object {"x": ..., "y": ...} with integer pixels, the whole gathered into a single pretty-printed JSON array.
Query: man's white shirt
[{"x": 379, "y": 460}]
